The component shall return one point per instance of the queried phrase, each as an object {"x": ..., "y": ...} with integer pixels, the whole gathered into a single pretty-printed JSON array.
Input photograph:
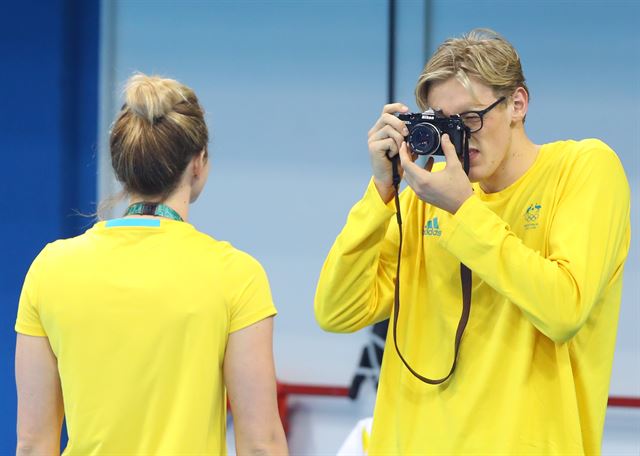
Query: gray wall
[{"x": 291, "y": 89}]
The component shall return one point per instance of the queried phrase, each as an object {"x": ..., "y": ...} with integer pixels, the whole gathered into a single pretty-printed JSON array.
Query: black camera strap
[{"x": 465, "y": 279}]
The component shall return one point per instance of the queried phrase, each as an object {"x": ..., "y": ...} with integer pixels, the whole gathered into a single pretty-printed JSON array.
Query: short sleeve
[
  {"x": 251, "y": 299},
  {"x": 28, "y": 319}
]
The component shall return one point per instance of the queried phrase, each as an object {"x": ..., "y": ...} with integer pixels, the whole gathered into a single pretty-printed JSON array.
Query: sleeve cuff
[
  {"x": 29, "y": 330},
  {"x": 253, "y": 318},
  {"x": 373, "y": 199}
]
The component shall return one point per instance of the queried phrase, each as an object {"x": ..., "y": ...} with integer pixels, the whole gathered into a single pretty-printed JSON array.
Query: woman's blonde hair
[
  {"x": 482, "y": 54},
  {"x": 159, "y": 129}
]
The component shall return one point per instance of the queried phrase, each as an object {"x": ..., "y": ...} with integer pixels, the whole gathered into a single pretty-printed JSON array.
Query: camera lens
[{"x": 424, "y": 139}]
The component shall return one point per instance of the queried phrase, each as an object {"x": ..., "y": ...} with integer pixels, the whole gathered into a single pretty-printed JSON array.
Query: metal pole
[{"x": 391, "y": 64}]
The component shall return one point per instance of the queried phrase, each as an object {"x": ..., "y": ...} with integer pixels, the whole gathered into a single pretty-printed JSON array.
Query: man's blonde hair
[{"x": 482, "y": 54}]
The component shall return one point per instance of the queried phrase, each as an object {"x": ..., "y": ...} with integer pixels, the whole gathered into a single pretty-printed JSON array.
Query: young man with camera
[{"x": 515, "y": 356}]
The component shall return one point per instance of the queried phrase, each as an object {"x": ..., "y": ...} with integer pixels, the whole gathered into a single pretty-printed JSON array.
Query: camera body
[{"x": 426, "y": 130}]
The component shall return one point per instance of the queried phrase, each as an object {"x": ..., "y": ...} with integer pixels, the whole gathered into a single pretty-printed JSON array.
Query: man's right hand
[{"x": 385, "y": 138}]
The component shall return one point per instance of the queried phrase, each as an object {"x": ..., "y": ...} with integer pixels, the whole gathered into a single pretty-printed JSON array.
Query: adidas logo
[{"x": 432, "y": 228}]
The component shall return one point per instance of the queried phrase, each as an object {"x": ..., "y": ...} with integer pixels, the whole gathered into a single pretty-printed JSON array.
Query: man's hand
[
  {"x": 446, "y": 189},
  {"x": 385, "y": 138}
]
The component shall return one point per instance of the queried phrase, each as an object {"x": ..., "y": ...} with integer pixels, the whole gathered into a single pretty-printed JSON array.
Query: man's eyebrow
[
  {"x": 474, "y": 107},
  {"x": 467, "y": 109}
]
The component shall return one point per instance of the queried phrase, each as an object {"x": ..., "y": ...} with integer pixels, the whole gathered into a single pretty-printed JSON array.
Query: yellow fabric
[
  {"x": 547, "y": 256},
  {"x": 365, "y": 440},
  {"x": 138, "y": 318}
]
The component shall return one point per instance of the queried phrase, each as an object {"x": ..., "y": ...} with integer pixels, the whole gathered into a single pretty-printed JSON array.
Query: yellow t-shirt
[
  {"x": 138, "y": 313},
  {"x": 547, "y": 256}
]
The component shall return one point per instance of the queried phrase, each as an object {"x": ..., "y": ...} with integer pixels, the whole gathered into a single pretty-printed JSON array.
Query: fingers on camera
[
  {"x": 390, "y": 132},
  {"x": 387, "y": 120},
  {"x": 394, "y": 107},
  {"x": 390, "y": 146},
  {"x": 396, "y": 123}
]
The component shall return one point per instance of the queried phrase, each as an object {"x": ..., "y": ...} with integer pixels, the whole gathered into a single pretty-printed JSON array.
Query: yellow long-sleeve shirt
[{"x": 547, "y": 257}]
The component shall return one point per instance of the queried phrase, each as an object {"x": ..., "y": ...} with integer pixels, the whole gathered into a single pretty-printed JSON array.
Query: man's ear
[{"x": 520, "y": 99}]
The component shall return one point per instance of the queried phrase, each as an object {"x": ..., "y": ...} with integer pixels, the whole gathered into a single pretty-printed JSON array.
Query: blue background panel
[{"x": 48, "y": 137}]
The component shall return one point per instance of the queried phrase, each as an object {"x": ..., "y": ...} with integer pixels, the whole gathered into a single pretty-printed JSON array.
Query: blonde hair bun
[
  {"x": 152, "y": 97},
  {"x": 157, "y": 132}
]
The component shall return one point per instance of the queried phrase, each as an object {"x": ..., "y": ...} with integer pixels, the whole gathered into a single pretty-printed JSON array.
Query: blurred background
[{"x": 290, "y": 89}]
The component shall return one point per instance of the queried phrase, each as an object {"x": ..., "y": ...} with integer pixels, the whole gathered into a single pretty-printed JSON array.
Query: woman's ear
[{"x": 199, "y": 162}]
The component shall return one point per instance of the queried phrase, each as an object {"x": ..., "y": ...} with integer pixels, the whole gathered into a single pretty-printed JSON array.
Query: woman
[{"x": 133, "y": 330}]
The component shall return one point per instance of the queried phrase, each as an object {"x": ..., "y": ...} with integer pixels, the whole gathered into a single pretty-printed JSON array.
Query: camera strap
[{"x": 465, "y": 279}]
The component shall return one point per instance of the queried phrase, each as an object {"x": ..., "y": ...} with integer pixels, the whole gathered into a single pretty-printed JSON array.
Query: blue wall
[{"x": 48, "y": 136}]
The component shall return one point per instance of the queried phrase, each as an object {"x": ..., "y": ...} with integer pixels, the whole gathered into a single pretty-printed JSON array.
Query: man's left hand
[{"x": 446, "y": 189}]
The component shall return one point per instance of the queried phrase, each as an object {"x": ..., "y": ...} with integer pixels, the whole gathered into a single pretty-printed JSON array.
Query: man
[{"x": 545, "y": 231}]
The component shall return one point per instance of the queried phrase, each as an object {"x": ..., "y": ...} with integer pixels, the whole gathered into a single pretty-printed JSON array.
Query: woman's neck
[{"x": 178, "y": 201}]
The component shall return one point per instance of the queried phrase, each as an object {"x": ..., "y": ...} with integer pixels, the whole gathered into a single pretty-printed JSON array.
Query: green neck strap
[{"x": 157, "y": 209}]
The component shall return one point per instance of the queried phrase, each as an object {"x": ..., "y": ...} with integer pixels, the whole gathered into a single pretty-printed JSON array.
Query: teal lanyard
[{"x": 157, "y": 209}]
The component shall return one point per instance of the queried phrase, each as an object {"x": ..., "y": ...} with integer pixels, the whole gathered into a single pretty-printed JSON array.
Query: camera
[{"x": 426, "y": 130}]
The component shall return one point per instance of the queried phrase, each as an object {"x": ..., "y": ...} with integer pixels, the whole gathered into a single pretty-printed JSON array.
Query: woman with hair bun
[{"x": 136, "y": 330}]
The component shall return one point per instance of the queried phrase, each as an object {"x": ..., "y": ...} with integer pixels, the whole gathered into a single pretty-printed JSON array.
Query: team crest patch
[{"x": 531, "y": 216}]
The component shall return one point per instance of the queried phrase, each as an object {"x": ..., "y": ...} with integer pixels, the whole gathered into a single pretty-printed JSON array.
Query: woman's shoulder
[{"x": 231, "y": 258}]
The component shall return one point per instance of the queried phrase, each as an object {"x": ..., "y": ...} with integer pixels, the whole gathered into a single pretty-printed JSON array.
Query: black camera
[{"x": 426, "y": 130}]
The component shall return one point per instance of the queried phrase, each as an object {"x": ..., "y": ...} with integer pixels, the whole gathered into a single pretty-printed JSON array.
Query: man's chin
[{"x": 475, "y": 174}]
